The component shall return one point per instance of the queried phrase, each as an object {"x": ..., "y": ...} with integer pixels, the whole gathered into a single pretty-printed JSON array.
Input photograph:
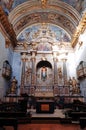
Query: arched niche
[
  {"x": 44, "y": 73},
  {"x": 44, "y": 63}
]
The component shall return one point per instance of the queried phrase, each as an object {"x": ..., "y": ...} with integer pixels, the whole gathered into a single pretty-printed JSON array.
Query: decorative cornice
[
  {"x": 7, "y": 27},
  {"x": 79, "y": 30}
]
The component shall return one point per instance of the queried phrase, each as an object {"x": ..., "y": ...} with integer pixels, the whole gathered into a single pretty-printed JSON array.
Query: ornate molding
[
  {"x": 8, "y": 29},
  {"x": 79, "y": 30}
]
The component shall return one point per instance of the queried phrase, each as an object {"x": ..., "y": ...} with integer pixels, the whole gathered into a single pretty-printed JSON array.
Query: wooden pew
[
  {"x": 12, "y": 114},
  {"x": 20, "y": 116},
  {"x": 82, "y": 122},
  {"x": 8, "y": 122},
  {"x": 16, "y": 111},
  {"x": 77, "y": 115}
]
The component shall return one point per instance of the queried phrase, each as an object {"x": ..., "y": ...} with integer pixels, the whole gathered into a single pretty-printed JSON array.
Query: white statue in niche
[{"x": 44, "y": 73}]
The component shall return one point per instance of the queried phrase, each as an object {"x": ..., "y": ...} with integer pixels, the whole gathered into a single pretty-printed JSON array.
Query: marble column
[
  {"x": 65, "y": 72},
  {"x": 33, "y": 76},
  {"x": 55, "y": 68},
  {"x": 55, "y": 76},
  {"x": 23, "y": 59},
  {"x": 55, "y": 72}
]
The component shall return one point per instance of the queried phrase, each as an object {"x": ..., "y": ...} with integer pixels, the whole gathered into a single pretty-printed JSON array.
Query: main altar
[
  {"x": 45, "y": 106},
  {"x": 44, "y": 65}
]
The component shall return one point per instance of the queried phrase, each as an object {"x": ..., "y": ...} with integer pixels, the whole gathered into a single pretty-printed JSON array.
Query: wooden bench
[
  {"x": 66, "y": 120},
  {"x": 22, "y": 117},
  {"x": 12, "y": 114},
  {"x": 8, "y": 122},
  {"x": 77, "y": 115},
  {"x": 82, "y": 122}
]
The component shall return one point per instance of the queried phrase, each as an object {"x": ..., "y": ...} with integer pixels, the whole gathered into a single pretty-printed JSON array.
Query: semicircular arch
[{"x": 44, "y": 64}]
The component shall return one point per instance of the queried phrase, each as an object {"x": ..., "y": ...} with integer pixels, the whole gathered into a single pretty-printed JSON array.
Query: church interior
[{"x": 42, "y": 63}]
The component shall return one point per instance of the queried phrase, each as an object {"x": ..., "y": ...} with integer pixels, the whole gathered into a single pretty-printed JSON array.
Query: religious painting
[
  {"x": 43, "y": 73},
  {"x": 44, "y": 47}
]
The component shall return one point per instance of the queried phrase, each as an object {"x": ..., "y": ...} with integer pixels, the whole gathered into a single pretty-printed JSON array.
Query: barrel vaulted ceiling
[{"x": 50, "y": 22}]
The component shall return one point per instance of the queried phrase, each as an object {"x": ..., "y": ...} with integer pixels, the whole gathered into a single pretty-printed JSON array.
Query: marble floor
[
  {"x": 46, "y": 127},
  {"x": 57, "y": 113}
]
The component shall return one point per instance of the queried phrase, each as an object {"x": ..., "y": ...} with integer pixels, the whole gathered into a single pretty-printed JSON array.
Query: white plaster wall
[
  {"x": 80, "y": 55},
  {"x": 71, "y": 65},
  {"x": 5, "y": 54},
  {"x": 16, "y": 67}
]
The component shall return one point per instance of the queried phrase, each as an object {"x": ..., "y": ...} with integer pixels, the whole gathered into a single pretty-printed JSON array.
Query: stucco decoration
[{"x": 45, "y": 37}]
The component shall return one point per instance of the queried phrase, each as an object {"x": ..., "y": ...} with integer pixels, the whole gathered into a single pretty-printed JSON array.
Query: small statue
[
  {"x": 70, "y": 82},
  {"x": 60, "y": 72},
  {"x": 74, "y": 83},
  {"x": 13, "y": 85}
]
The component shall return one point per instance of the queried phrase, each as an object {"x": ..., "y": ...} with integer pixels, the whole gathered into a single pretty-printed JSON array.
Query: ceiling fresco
[
  {"x": 9, "y": 5},
  {"x": 43, "y": 28},
  {"x": 45, "y": 36}
]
